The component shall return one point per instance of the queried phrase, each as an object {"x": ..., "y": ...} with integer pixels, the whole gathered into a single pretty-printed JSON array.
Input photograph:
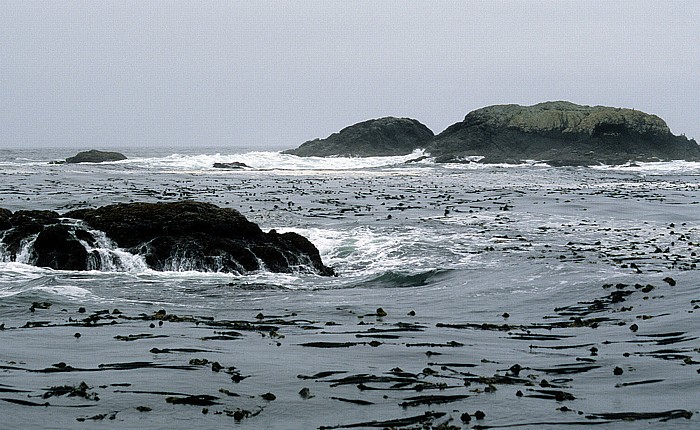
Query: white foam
[
  {"x": 261, "y": 160},
  {"x": 661, "y": 167},
  {"x": 15, "y": 277},
  {"x": 70, "y": 291},
  {"x": 368, "y": 250},
  {"x": 26, "y": 250},
  {"x": 111, "y": 257}
]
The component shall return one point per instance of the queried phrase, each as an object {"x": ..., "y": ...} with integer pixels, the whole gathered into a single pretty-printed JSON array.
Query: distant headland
[{"x": 559, "y": 133}]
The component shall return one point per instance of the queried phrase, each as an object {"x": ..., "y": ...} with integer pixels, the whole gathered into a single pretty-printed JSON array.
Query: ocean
[{"x": 466, "y": 296}]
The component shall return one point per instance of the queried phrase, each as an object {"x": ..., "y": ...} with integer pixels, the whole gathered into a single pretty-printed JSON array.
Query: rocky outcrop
[
  {"x": 234, "y": 165},
  {"x": 376, "y": 137},
  {"x": 183, "y": 235},
  {"x": 57, "y": 246},
  {"x": 561, "y": 133},
  {"x": 95, "y": 156}
]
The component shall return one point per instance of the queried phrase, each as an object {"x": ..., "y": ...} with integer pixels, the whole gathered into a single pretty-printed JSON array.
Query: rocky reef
[
  {"x": 561, "y": 133},
  {"x": 183, "y": 235},
  {"x": 377, "y": 137},
  {"x": 95, "y": 156}
]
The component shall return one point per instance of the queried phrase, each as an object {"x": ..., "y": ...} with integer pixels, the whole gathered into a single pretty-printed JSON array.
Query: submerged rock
[
  {"x": 561, "y": 133},
  {"x": 233, "y": 165},
  {"x": 376, "y": 137},
  {"x": 182, "y": 235},
  {"x": 95, "y": 156}
]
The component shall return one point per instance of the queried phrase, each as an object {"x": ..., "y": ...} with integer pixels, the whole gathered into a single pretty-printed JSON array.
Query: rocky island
[
  {"x": 558, "y": 133},
  {"x": 376, "y": 137},
  {"x": 95, "y": 156},
  {"x": 184, "y": 235},
  {"x": 561, "y": 133}
]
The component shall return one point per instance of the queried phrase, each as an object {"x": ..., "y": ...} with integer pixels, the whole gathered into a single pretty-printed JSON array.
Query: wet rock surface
[{"x": 170, "y": 236}]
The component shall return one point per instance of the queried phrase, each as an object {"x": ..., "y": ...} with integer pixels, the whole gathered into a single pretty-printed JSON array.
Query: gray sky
[{"x": 274, "y": 74}]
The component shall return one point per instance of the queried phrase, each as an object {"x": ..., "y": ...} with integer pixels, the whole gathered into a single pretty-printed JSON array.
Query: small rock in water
[
  {"x": 634, "y": 327},
  {"x": 381, "y": 312},
  {"x": 479, "y": 415},
  {"x": 466, "y": 417},
  {"x": 618, "y": 371},
  {"x": 670, "y": 281},
  {"x": 268, "y": 396},
  {"x": 40, "y": 305},
  {"x": 305, "y": 393}
]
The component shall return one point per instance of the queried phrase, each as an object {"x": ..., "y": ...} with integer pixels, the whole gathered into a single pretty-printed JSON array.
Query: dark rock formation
[
  {"x": 5, "y": 216},
  {"x": 233, "y": 165},
  {"x": 561, "y": 133},
  {"x": 23, "y": 225},
  {"x": 170, "y": 236},
  {"x": 376, "y": 137},
  {"x": 57, "y": 247},
  {"x": 95, "y": 156}
]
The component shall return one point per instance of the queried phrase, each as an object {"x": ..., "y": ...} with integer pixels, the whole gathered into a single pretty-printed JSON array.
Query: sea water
[{"x": 477, "y": 267}]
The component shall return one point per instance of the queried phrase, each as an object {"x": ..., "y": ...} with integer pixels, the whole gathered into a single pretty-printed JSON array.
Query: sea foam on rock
[{"x": 183, "y": 235}]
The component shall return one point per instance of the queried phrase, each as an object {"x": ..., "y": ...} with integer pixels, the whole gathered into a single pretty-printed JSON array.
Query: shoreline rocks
[{"x": 183, "y": 235}]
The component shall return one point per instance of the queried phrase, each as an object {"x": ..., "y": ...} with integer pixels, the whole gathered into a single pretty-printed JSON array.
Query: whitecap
[
  {"x": 267, "y": 160},
  {"x": 658, "y": 167}
]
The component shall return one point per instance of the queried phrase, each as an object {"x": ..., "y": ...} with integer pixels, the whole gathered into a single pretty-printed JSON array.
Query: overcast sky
[{"x": 105, "y": 74}]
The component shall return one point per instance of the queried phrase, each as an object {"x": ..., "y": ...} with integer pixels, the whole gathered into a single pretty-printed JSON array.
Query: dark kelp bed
[{"x": 390, "y": 367}]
